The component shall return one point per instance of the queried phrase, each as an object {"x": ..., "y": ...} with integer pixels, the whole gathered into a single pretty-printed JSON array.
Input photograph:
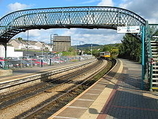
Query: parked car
[
  {"x": 40, "y": 62},
  {"x": 32, "y": 62},
  {"x": 24, "y": 63},
  {"x": 15, "y": 63},
  {"x": 2, "y": 64}
]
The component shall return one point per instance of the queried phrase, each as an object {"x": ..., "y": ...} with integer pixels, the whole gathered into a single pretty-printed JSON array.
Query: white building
[
  {"x": 20, "y": 44},
  {"x": 10, "y": 52}
]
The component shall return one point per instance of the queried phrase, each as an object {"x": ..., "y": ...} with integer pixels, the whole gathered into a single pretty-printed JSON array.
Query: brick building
[{"x": 61, "y": 43}]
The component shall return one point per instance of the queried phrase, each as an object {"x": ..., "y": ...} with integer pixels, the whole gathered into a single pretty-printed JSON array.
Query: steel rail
[{"x": 62, "y": 95}]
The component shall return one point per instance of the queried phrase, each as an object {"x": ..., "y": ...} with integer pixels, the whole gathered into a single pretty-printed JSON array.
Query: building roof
[{"x": 62, "y": 38}]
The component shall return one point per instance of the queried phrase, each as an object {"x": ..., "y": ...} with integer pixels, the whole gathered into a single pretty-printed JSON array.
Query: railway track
[
  {"x": 45, "y": 86},
  {"x": 52, "y": 91}
]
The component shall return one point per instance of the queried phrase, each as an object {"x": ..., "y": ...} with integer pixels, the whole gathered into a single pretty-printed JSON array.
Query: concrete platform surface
[
  {"x": 128, "y": 101},
  {"x": 118, "y": 97}
]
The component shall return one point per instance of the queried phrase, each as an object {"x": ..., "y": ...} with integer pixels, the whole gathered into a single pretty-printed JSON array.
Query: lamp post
[
  {"x": 27, "y": 41},
  {"x": 91, "y": 49},
  {"x": 42, "y": 50},
  {"x": 51, "y": 49},
  {"x": 51, "y": 45},
  {"x": 80, "y": 43},
  {"x": 77, "y": 45}
]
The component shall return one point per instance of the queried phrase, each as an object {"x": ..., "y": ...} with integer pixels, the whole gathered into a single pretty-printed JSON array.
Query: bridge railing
[{"x": 67, "y": 17}]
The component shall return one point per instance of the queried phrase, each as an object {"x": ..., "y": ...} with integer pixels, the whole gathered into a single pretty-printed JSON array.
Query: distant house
[
  {"x": 20, "y": 44},
  {"x": 34, "y": 45}
]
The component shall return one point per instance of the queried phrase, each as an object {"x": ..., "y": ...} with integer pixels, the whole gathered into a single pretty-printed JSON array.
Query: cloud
[
  {"x": 95, "y": 36},
  {"x": 106, "y": 3},
  {"x": 90, "y": 1},
  {"x": 146, "y": 8},
  {"x": 17, "y": 6},
  {"x": 34, "y": 33}
]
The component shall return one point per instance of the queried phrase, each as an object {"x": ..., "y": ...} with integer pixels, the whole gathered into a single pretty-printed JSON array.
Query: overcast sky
[{"x": 148, "y": 9}]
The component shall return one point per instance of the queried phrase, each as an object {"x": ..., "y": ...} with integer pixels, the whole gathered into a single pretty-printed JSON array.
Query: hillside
[{"x": 86, "y": 45}]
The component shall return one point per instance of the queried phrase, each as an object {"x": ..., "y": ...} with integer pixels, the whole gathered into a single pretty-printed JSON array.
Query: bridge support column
[
  {"x": 5, "y": 57},
  {"x": 5, "y": 71},
  {"x": 143, "y": 56}
]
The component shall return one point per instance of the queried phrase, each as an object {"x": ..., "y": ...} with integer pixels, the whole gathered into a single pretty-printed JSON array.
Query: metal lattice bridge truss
[{"x": 66, "y": 17}]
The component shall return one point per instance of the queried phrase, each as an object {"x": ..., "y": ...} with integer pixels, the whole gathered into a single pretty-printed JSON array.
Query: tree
[
  {"x": 70, "y": 52},
  {"x": 19, "y": 38},
  {"x": 107, "y": 48},
  {"x": 130, "y": 48},
  {"x": 71, "y": 49}
]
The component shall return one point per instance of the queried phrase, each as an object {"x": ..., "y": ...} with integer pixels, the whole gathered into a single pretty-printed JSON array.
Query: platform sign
[{"x": 128, "y": 29}]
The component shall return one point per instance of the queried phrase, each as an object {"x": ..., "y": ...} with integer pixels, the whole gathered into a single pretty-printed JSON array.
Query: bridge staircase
[{"x": 152, "y": 63}]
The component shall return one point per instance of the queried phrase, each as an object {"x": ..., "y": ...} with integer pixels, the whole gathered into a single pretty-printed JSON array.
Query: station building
[{"x": 61, "y": 43}]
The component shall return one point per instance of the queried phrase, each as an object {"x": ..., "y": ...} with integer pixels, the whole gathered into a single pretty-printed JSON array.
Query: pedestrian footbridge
[{"x": 87, "y": 17}]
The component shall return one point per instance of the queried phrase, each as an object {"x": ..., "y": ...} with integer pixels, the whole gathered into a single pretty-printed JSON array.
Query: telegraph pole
[{"x": 91, "y": 49}]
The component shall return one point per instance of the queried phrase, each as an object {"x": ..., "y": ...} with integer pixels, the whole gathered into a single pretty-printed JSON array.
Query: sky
[{"x": 148, "y": 9}]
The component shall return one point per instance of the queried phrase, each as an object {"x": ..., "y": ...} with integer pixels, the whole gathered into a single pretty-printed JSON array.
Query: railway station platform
[{"x": 118, "y": 97}]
